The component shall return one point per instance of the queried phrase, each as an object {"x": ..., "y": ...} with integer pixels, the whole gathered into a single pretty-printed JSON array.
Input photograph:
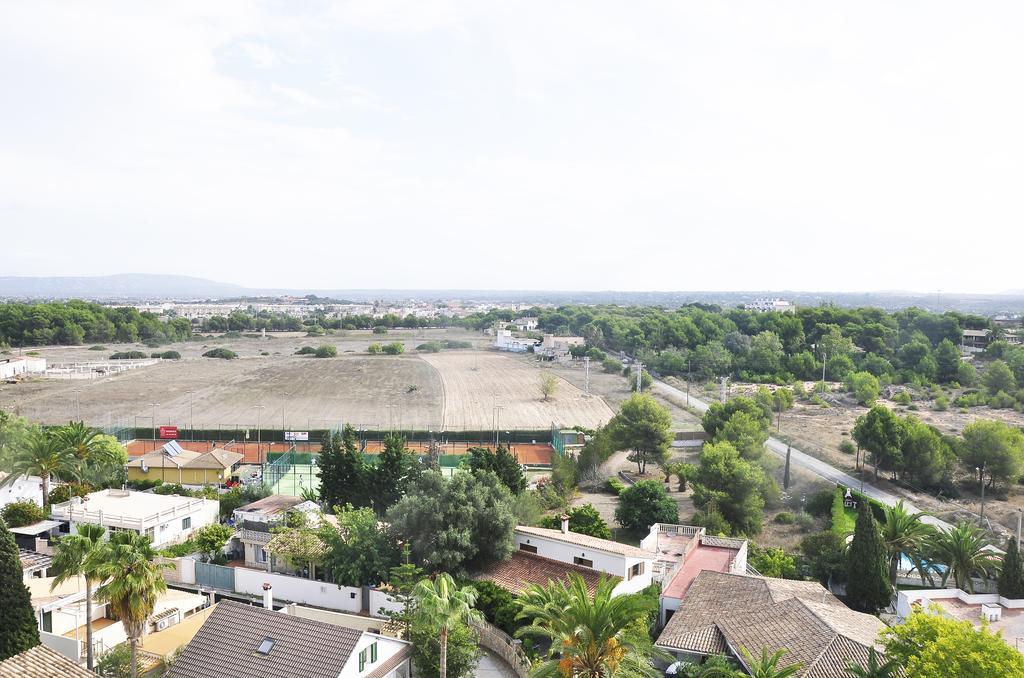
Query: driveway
[{"x": 493, "y": 666}]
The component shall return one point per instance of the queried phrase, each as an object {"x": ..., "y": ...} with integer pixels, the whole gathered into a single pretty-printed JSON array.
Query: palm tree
[
  {"x": 904, "y": 534},
  {"x": 591, "y": 637},
  {"x": 878, "y": 667},
  {"x": 69, "y": 558},
  {"x": 442, "y": 605},
  {"x": 964, "y": 551},
  {"x": 133, "y": 583},
  {"x": 43, "y": 455},
  {"x": 80, "y": 439},
  {"x": 767, "y": 665}
]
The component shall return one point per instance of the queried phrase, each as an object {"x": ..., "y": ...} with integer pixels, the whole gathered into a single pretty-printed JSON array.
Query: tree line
[{"x": 76, "y": 322}]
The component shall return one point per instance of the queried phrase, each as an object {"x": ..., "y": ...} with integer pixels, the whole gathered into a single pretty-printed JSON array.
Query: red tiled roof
[{"x": 522, "y": 569}]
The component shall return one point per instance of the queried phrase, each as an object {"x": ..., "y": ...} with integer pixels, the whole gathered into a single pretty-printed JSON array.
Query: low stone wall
[{"x": 502, "y": 644}]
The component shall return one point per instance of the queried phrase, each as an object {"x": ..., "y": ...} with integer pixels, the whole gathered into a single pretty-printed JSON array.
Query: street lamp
[
  {"x": 259, "y": 411},
  {"x": 154, "y": 406},
  {"x": 191, "y": 425},
  {"x": 981, "y": 476}
]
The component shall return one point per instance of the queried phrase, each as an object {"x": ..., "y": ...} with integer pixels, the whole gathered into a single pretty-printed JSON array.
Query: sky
[{"x": 516, "y": 145}]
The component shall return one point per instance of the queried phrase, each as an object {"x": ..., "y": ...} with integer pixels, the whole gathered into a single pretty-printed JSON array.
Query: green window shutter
[{"x": 373, "y": 652}]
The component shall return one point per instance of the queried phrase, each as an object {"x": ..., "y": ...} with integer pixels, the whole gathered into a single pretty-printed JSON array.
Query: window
[
  {"x": 585, "y": 562},
  {"x": 362, "y": 660},
  {"x": 636, "y": 570},
  {"x": 151, "y": 533},
  {"x": 266, "y": 646},
  {"x": 261, "y": 555},
  {"x": 186, "y": 523},
  {"x": 527, "y": 548},
  {"x": 373, "y": 652}
]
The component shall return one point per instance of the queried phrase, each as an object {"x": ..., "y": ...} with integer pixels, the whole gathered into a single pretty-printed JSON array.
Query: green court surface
[{"x": 295, "y": 478}]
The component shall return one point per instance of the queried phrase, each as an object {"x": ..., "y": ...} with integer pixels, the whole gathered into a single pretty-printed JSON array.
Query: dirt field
[
  {"x": 451, "y": 390},
  {"x": 475, "y": 383}
]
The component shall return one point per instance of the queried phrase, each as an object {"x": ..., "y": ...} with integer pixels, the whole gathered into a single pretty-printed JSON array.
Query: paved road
[{"x": 806, "y": 461}]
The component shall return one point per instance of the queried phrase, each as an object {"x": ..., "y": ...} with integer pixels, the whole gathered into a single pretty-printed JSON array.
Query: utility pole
[
  {"x": 824, "y": 360},
  {"x": 723, "y": 388},
  {"x": 689, "y": 378},
  {"x": 191, "y": 423},
  {"x": 259, "y": 432},
  {"x": 497, "y": 425},
  {"x": 154, "y": 406},
  {"x": 981, "y": 475},
  {"x": 639, "y": 375},
  {"x": 78, "y": 409},
  {"x": 586, "y": 375},
  {"x": 284, "y": 401}
]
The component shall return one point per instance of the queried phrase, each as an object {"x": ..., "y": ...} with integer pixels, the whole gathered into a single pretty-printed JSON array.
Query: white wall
[
  {"x": 637, "y": 583},
  {"x": 564, "y": 553},
  {"x": 379, "y": 599},
  {"x": 22, "y": 489},
  {"x": 904, "y": 598},
  {"x": 68, "y": 647},
  {"x": 170, "y": 530},
  {"x": 297, "y": 590},
  {"x": 386, "y": 647}
]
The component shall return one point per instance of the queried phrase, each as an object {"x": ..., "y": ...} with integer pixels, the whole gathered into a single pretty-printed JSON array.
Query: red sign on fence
[{"x": 168, "y": 432}]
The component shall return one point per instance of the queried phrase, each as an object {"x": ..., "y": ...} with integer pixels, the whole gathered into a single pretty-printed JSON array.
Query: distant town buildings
[{"x": 766, "y": 304}]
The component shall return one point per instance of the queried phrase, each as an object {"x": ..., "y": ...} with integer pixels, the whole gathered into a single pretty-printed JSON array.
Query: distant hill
[{"x": 112, "y": 287}]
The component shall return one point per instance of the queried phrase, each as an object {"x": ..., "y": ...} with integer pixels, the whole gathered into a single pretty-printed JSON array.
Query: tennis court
[{"x": 292, "y": 479}]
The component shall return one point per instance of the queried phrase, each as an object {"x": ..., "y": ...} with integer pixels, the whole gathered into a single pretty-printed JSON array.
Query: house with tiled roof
[
  {"x": 724, "y": 613},
  {"x": 542, "y": 555},
  {"x": 244, "y": 641},
  {"x": 41, "y": 662},
  {"x": 174, "y": 464}
]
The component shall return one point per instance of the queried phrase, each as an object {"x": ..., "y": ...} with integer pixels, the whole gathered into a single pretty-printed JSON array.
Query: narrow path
[
  {"x": 812, "y": 464},
  {"x": 493, "y": 666}
]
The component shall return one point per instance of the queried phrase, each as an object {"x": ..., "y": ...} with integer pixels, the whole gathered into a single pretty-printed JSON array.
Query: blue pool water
[{"x": 906, "y": 564}]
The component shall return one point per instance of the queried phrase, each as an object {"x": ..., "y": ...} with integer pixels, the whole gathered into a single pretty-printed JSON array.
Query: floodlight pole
[
  {"x": 191, "y": 423},
  {"x": 154, "y": 405},
  {"x": 259, "y": 447}
]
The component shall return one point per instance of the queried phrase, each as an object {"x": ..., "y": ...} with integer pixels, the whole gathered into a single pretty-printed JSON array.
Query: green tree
[
  {"x": 864, "y": 386},
  {"x": 210, "y": 540},
  {"x": 46, "y": 456},
  {"x": 583, "y": 519},
  {"x": 392, "y": 474},
  {"x": 746, "y": 433},
  {"x": 453, "y": 524},
  {"x": 588, "y": 636},
  {"x": 498, "y": 605},
  {"x": 947, "y": 359},
  {"x": 771, "y": 561},
  {"x": 462, "y": 651},
  {"x": 995, "y": 448},
  {"x": 766, "y": 353},
  {"x": 904, "y": 534},
  {"x": 502, "y": 463},
  {"x": 644, "y": 426},
  {"x": 965, "y": 552},
  {"x": 402, "y": 581},
  {"x": 643, "y": 504},
  {"x": 824, "y": 554},
  {"x": 867, "y": 587},
  {"x": 19, "y": 630},
  {"x": 344, "y": 476},
  {"x": 718, "y": 414},
  {"x": 359, "y": 550},
  {"x": 71, "y": 553},
  {"x": 326, "y": 351},
  {"x": 926, "y": 456},
  {"x": 133, "y": 582},
  {"x": 441, "y": 605},
  {"x": 877, "y": 667},
  {"x": 733, "y": 484},
  {"x": 998, "y": 377},
  {"x": 1011, "y": 575},
  {"x": 881, "y": 433},
  {"x": 117, "y": 662},
  {"x": 21, "y": 513},
  {"x": 394, "y": 348},
  {"x": 966, "y": 374},
  {"x": 767, "y": 665},
  {"x": 932, "y": 645},
  {"x": 548, "y": 385}
]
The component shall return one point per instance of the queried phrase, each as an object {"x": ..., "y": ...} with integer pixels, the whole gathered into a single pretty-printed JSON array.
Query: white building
[
  {"x": 165, "y": 519},
  {"x": 25, "y": 488},
  {"x": 504, "y": 341},
  {"x": 766, "y": 304},
  {"x": 555, "y": 347},
  {"x": 526, "y": 323},
  {"x": 15, "y": 366},
  {"x": 632, "y": 565}
]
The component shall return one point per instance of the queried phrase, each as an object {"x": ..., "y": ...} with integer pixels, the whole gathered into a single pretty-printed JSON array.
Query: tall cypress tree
[
  {"x": 867, "y": 586},
  {"x": 1011, "y": 579},
  {"x": 18, "y": 630},
  {"x": 343, "y": 474},
  {"x": 390, "y": 477}
]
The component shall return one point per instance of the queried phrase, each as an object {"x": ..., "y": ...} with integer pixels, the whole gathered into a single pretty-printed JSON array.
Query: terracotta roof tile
[
  {"x": 41, "y": 662},
  {"x": 522, "y": 569}
]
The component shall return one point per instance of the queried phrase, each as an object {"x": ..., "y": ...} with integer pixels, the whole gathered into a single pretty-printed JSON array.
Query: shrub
[
  {"x": 98, "y": 347},
  {"x": 941, "y": 403},
  {"x": 784, "y": 518},
  {"x": 222, "y": 353},
  {"x": 847, "y": 447},
  {"x": 712, "y": 520},
  {"x": 326, "y": 351},
  {"x": 614, "y": 485},
  {"x": 644, "y": 504},
  {"x": 611, "y": 365},
  {"x": 128, "y": 355},
  {"x": 166, "y": 355},
  {"x": 21, "y": 513},
  {"x": 1002, "y": 401},
  {"x": 63, "y": 493},
  {"x": 143, "y": 485},
  {"x": 117, "y": 662},
  {"x": 306, "y": 350},
  {"x": 394, "y": 348},
  {"x": 456, "y": 343},
  {"x": 375, "y": 349},
  {"x": 804, "y": 521},
  {"x": 380, "y": 329},
  {"x": 820, "y": 503},
  {"x": 430, "y": 347},
  {"x": 902, "y": 398}
]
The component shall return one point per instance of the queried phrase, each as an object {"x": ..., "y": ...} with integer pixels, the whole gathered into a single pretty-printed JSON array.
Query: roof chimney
[
  {"x": 268, "y": 596},
  {"x": 565, "y": 524}
]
